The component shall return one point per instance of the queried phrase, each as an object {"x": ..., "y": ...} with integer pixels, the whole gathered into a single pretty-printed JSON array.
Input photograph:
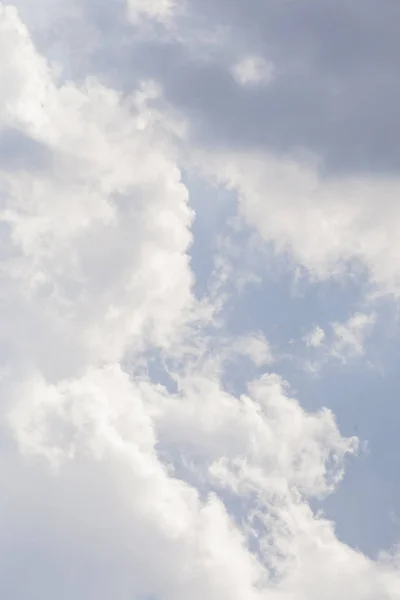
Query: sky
[{"x": 200, "y": 284}]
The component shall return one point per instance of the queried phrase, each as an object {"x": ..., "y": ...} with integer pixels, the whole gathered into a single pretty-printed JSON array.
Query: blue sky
[
  {"x": 199, "y": 301},
  {"x": 364, "y": 506}
]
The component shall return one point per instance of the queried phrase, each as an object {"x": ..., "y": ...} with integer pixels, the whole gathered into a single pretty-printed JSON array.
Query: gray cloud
[{"x": 336, "y": 92}]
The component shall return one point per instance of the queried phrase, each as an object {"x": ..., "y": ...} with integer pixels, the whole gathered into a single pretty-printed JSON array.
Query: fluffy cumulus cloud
[
  {"x": 119, "y": 482},
  {"x": 95, "y": 218}
]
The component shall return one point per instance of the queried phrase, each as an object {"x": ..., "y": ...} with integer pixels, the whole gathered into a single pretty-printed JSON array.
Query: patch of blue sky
[
  {"x": 365, "y": 403},
  {"x": 284, "y": 309},
  {"x": 214, "y": 208}
]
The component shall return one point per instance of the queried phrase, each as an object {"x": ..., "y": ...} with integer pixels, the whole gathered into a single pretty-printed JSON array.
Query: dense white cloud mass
[
  {"x": 116, "y": 485},
  {"x": 95, "y": 217}
]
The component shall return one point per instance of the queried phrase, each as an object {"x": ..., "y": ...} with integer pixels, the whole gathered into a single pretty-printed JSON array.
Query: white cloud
[
  {"x": 349, "y": 337},
  {"x": 97, "y": 235},
  {"x": 327, "y": 226},
  {"x": 256, "y": 348},
  {"x": 343, "y": 341},
  {"x": 263, "y": 441},
  {"x": 125, "y": 524},
  {"x": 253, "y": 70},
  {"x": 99, "y": 432},
  {"x": 113, "y": 518},
  {"x": 315, "y": 338}
]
